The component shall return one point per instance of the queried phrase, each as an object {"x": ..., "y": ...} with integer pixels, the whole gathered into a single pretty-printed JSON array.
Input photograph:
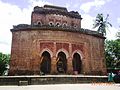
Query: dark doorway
[
  {"x": 45, "y": 66},
  {"x": 61, "y": 62},
  {"x": 77, "y": 63}
]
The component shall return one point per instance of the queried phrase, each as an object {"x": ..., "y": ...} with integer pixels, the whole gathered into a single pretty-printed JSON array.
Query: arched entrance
[
  {"x": 61, "y": 62},
  {"x": 77, "y": 63},
  {"x": 45, "y": 65}
]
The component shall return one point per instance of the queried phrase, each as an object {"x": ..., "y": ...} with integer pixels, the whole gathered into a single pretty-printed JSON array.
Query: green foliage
[
  {"x": 112, "y": 53},
  {"x": 4, "y": 62},
  {"x": 101, "y": 23},
  {"x": 118, "y": 34}
]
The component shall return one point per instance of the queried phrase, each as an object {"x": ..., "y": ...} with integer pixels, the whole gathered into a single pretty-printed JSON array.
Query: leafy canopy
[
  {"x": 112, "y": 53},
  {"x": 4, "y": 62}
]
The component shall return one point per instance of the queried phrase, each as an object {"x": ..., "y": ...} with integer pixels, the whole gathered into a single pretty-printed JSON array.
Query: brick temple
[{"x": 55, "y": 43}]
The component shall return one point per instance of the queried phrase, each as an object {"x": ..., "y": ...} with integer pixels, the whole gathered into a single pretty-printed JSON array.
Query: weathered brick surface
[
  {"x": 27, "y": 46},
  {"x": 30, "y": 41},
  {"x": 45, "y": 19}
]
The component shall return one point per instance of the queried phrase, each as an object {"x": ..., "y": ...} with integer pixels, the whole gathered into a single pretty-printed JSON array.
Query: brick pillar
[
  {"x": 69, "y": 65},
  {"x": 53, "y": 65},
  {"x": 69, "y": 61},
  {"x": 53, "y": 60}
]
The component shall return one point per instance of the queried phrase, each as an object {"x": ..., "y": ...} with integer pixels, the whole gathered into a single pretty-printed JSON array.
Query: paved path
[{"x": 93, "y": 86}]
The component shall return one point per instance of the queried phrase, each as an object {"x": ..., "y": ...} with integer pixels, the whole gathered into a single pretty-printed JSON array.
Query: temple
[{"x": 56, "y": 44}]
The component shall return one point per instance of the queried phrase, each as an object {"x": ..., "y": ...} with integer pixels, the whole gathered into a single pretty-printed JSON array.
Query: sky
[{"x": 14, "y": 12}]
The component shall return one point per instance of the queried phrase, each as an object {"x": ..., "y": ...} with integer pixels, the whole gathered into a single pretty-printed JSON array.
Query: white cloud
[
  {"x": 4, "y": 48},
  {"x": 111, "y": 33},
  {"x": 12, "y": 15},
  {"x": 96, "y": 3},
  {"x": 118, "y": 20},
  {"x": 67, "y": 5},
  {"x": 38, "y": 3},
  {"x": 87, "y": 21}
]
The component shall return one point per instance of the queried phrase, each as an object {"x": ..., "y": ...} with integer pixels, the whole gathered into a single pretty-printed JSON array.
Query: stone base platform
[{"x": 51, "y": 79}]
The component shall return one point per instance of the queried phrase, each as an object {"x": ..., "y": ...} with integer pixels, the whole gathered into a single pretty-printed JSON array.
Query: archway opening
[
  {"x": 77, "y": 63},
  {"x": 45, "y": 66},
  {"x": 61, "y": 62}
]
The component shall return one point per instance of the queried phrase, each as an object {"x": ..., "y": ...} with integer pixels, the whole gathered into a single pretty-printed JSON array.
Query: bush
[
  {"x": 4, "y": 62},
  {"x": 116, "y": 78}
]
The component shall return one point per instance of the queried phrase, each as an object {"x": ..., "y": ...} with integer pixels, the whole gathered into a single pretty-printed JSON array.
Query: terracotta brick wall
[
  {"x": 27, "y": 46},
  {"x": 45, "y": 19}
]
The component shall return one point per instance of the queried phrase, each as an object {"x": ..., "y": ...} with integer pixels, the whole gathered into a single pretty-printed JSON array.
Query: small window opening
[
  {"x": 58, "y": 24},
  {"x": 39, "y": 23},
  {"x": 51, "y": 24},
  {"x": 75, "y": 26},
  {"x": 64, "y": 24}
]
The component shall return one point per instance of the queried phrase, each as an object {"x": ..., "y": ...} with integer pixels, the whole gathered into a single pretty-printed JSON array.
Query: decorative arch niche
[
  {"x": 61, "y": 62},
  {"x": 45, "y": 63},
  {"x": 39, "y": 23},
  {"x": 51, "y": 23},
  {"x": 77, "y": 63}
]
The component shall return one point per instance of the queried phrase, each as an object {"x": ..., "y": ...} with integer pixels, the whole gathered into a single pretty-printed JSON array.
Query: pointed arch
[
  {"x": 48, "y": 50},
  {"x": 63, "y": 50},
  {"x": 77, "y": 63},
  {"x": 61, "y": 62},
  {"x": 45, "y": 62},
  {"x": 79, "y": 52},
  {"x": 77, "y": 60}
]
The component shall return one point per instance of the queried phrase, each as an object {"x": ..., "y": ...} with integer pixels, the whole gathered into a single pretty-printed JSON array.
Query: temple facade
[{"x": 55, "y": 43}]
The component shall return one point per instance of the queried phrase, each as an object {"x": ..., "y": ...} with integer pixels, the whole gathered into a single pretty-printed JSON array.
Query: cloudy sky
[{"x": 13, "y": 12}]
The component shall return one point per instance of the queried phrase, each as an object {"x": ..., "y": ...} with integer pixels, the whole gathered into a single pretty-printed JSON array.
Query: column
[
  {"x": 53, "y": 60},
  {"x": 87, "y": 59},
  {"x": 69, "y": 65},
  {"x": 53, "y": 65},
  {"x": 69, "y": 61}
]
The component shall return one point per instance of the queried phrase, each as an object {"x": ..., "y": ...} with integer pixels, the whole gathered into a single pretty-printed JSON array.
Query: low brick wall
[{"x": 50, "y": 79}]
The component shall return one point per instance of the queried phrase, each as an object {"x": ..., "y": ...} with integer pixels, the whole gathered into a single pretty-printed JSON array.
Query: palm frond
[
  {"x": 95, "y": 25},
  {"x": 102, "y": 23},
  {"x": 99, "y": 29},
  {"x": 107, "y": 17},
  {"x": 109, "y": 24}
]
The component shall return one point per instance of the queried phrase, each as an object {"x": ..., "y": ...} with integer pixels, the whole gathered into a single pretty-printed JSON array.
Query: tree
[
  {"x": 112, "y": 53},
  {"x": 4, "y": 62},
  {"x": 101, "y": 23}
]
